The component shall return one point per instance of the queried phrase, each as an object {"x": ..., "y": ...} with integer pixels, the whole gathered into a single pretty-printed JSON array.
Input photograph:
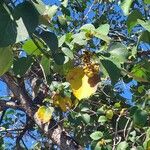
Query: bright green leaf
[
  {"x": 103, "y": 29},
  {"x": 31, "y": 49},
  {"x": 96, "y": 135},
  {"x": 144, "y": 24},
  {"x": 67, "y": 52},
  {"x": 125, "y": 5},
  {"x": 102, "y": 119},
  {"x": 87, "y": 27},
  {"x": 147, "y": 1},
  {"x": 64, "y": 3},
  {"x": 118, "y": 52},
  {"x": 79, "y": 38},
  {"x": 141, "y": 71},
  {"x": 50, "y": 11},
  {"x": 61, "y": 40},
  {"x": 122, "y": 145}
]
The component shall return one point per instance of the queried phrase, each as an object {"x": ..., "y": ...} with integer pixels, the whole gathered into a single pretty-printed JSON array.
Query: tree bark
[{"x": 56, "y": 133}]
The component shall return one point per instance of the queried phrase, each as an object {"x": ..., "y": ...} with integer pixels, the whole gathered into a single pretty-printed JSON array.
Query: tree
[{"x": 64, "y": 68}]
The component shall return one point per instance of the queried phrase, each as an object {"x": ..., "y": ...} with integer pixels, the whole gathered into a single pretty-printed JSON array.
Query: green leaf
[
  {"x": 51, "y": 40},
  {"x": 22, "y": 33},
  {"x": 8, "y": 31},
  {"x": 50, "y": 11},
  {"x": 125, "y": 5},
  {"x": 21, "y": 65},
  {"x": 62, "y": 22},
  {"x": 61, "y": 40},
  {"x": 96, "y": 135},
  {"x": 6, "y": 59},
  {"x": 112, "y": 70},
  {"x": 63, "y": 69},
  {"x": 86, "y": 118},
  {"x": 145, "y": 37},
  {"x": 79, "y": 38},
  {"x": 119, "y": 53},
  {"x": 60, "y": 59},
  {"x": 67, "y": 52},
  {"x": 140, "y": 118},
  {"x": 45, "y": 62},
  {"x": 103, "y": 29},
  {"x": 98, "y": 147},
  {"x": 139, "y": 148},
  {"x": 87, "y": 27},
  {"x": 144, "y": 24},
  {"x": 24, "y": 10},
  {"x": 141, "y": 71},
  {"x": 31, "y": 49},
  {"x": 45, "y": 10},
  {"x": 146, "y": 143},
  {"x": 132, "y": 19},
  {"x": 147, "y": 1},
  {"x": 122, "y": 145},
  {"x": 103, "y": 37},
  {"x": 40, "y": 6},
  {"x": 64, "y": 3},
  {"x": 102, "y": 119}
]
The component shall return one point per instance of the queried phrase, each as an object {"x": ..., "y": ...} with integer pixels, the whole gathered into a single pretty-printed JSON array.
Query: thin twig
[
  {"x": 129, "y": 130},
  {"x": 125, "y": 128},
  {"x": 90, "y": 8},
  {"x": 116, "y": 131}
]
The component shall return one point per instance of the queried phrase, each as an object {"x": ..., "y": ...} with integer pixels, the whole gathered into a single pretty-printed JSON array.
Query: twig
[
  {"x": 129, "y": 130},
  {"x": 90, "y": 8},
  {"x": 24, "y": 144},
  {"x": 125, "y": 128},
  {"x": 116, "y": 131},
  {"x": 11, "y": 130}
]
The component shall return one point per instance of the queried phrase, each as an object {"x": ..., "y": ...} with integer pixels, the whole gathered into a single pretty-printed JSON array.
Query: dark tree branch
[
  {"x": 143, "y": 53},
  {"x": 9, "y": 104}
]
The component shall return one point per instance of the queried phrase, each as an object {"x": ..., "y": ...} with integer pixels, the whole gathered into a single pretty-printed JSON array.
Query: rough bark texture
[{"x": 56, "y": 133}]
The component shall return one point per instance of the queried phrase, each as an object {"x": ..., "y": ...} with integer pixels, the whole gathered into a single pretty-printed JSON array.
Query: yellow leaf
[
  {"x": 44, "y": 114},
  {"x": 64, "y": 103},
  {"x": 82, "y": 86}
]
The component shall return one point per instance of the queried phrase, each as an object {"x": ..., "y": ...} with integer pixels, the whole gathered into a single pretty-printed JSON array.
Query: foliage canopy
[{"x": 66, "y": 65}]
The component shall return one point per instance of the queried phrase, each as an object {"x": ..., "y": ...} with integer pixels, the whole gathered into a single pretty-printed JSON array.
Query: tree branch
[
  {"x": 58, "y": 135},
  {"x": 9, "y": 104}
]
